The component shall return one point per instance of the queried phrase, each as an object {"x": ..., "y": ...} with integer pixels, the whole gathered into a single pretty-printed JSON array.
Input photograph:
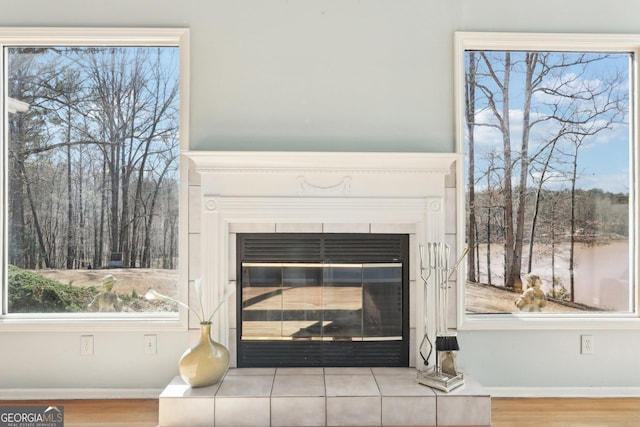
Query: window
[
  {"x": 549, "y": 136},
  {"x": 92, "y": 130}
]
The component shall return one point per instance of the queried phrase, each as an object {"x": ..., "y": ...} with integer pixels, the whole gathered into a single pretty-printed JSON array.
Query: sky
[{"x": 603, "y": 160}]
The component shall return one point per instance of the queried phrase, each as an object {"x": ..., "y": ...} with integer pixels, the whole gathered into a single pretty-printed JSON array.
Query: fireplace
[
  {"x": 359, "y": 199},
  {"x": 316, "y": 195},
  {"x": 322, "y": 300}
]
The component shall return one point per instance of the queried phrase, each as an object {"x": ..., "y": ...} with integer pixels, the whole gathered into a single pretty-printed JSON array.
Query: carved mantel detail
[{"x": 341, "y": 188}]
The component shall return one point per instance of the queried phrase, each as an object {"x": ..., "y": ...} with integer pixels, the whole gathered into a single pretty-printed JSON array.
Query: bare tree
[
  {"x": 561, "y": 104},
  {"x": 107, "y": 117}
]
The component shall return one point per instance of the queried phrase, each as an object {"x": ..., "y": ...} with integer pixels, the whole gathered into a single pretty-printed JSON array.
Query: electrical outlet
[
  {"x": 586, "y": 344},
  {"x": 150, "y": 344},
  {"x": 86, "y": 345}
]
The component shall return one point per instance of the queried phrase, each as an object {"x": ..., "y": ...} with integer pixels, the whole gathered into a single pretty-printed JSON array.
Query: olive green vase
[{"x": 206, "y": 362}]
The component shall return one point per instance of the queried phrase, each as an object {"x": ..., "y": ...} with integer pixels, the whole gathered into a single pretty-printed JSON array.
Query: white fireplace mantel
[
  {"x": 327, "y": 190},
  {"x": 212, "y": 161},
  {"x": 357, "y": 174}
]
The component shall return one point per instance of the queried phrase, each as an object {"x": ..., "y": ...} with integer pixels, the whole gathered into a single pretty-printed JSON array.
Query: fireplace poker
[{"x": 446, "y": 343}]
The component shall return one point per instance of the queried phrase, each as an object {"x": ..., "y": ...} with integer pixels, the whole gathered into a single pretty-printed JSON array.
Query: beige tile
[
  {"x": 233, "y": 240},
  {"x": 450, "y": 204},
  {"x": 180, "y": 412},
  {"x": 413, "y": 253},
  {"x": 252, "y": 371},
  {"x": 471, "y": 387},
  {"x": 315, "y": 227},
  {"x": 393, "y": 228},
  {"x": 409, "y": 411},
  {"x": 345, "y": 228},
  {"x": 298, "y": 411},
  {"x": 414, "y": 289},
  {"x": 471, "y": 397},
  {"x": 242, "y": 411},
  {"x": 245, "y": 385},
  {"x": 298, "y": 385},
  {"x": 351, "y": 385},
  {"x": 233, "y": 348},
  {"x": 181, "y": 405},
  {"x": 195, "y": 207},
  {"x": 353, "y": 411},
  {"x": 231, "y": 307},
  {"x": 300, "y": 371},
  {"x": 405, "y": 372},
  {"x": 288, "y": 397},
  {"x": 402, "y": 385},
  {"x": 347, "y": 371},
  {"x": 179, "y": 388},
  {"x": 412, "y": 348},
  {"x": 262, "y": 227},
  {"x": 194, "y": 303},
  {"x": 194, "y": 256},
  {"x": 463, "y": 410}
]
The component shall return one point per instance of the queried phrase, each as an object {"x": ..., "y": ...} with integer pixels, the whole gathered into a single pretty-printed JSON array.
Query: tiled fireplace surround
[{"x": 238, "y": 192}]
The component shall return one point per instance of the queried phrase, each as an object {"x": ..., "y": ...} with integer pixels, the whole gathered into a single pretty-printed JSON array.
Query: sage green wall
[{"x": 351, "y": 75}]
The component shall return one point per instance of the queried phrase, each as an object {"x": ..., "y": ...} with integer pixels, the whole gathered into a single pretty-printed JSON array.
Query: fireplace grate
[
  {"x": 281, "y": 247},
  {"x": 322, "y": 354}
]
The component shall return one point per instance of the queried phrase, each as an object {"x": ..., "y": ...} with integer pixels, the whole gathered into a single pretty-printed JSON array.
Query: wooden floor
[{"x": 547, "y": 412}]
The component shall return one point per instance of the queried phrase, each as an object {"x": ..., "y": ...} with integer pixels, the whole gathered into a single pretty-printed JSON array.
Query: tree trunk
[
  {"x": 536, "y": 207},
  {"x": 36, "y": 222},
  {"x": 572, "y": 224},
  {"x": 114, "y": 173},
  {"x": 71, "y": 251},
  {"x": 16, "y": 212},
  {"x": 509, "y": 240}
]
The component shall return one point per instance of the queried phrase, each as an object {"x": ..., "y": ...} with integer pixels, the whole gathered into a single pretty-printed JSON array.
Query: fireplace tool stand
[{"x": 444, "y": 376}]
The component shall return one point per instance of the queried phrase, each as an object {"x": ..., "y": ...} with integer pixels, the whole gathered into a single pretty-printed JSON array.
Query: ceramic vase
[{"x": 206, "y": 362}]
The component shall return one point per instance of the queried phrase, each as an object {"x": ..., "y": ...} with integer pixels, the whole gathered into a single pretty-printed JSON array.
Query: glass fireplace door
[
  {"x": 281, "y": 301},
  {"x": 321, "y": 302},
  {"x": 325, "y": 313}
]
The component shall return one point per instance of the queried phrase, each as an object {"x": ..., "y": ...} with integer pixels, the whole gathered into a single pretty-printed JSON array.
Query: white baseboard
[
  {"x": 568, "y": 392},
  {"x": 53, "y": 394}
]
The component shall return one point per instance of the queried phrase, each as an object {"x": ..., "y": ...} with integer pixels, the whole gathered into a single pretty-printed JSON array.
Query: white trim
[
  {"x": 183, "y": 198},
  {"x": 80, "y": 36},
  {"x": 97, "y": 36},
  {"x": 329, "y": 162},
  {"x": 88, "y": 321},
  {"x": 545, "y": 42},
  {"x": 521, "y": 321},
  {"x": 53, "y": 394},
  {"x": 563, "y": 392}
]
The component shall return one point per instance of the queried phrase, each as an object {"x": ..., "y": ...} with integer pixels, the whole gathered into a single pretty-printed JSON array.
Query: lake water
[{"x": 601, "y": 273}]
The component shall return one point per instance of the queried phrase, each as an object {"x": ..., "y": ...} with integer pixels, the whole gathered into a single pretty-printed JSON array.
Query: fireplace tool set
[{"x": 444, "y": 376}]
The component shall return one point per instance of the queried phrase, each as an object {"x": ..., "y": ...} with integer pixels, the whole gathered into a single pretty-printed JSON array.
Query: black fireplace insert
[{"x": 322, "y": 299}]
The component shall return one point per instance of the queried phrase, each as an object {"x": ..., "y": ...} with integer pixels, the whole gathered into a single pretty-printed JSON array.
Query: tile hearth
[{"x": 322, "y": 397}]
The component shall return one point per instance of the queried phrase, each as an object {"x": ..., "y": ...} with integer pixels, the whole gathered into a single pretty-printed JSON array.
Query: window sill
[
  {"x": 548, "y": 322},
  {"x": 95, "y": 322}
]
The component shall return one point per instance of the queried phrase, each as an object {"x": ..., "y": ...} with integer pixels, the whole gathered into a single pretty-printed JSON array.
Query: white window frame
[
  {"x": 149, "y": 37},
  {"x": 628, "y": 43}
]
